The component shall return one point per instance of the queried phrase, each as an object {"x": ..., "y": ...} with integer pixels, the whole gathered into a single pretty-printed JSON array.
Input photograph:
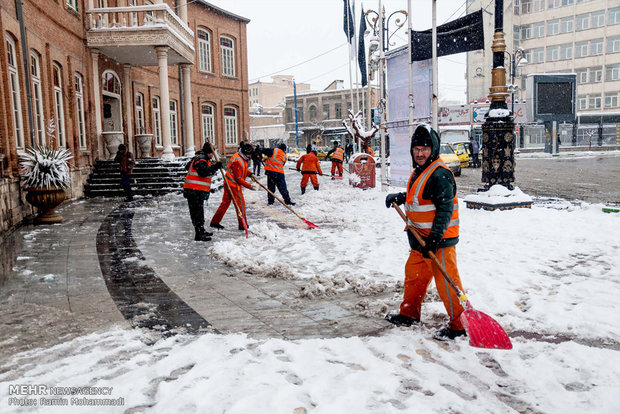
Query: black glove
[
  {"x": 432, "y": 244},
  {"x": 218, "y": 165},
  {"x": 398, "y": 198}
]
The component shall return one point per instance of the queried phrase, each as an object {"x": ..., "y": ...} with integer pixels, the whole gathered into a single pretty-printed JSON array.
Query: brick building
[{"x": 112, "y": 71}]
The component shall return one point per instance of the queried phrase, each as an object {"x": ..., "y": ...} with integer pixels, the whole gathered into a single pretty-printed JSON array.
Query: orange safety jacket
[
  {"x": 238, "y": 164},
  {"x": 193, "y": 181},
  {"x": 370, "y": 152},
  {"x": 309, "y": 164},
  {"x": 276, "y": 162},
  {"x": 338, "y": 154},
  {"x": 421, "y": 212}
]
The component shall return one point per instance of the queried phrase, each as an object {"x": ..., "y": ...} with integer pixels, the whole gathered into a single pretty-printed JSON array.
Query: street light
[
  {"x": 516, "y": 59},
  {"x": 380, "y": 25}
]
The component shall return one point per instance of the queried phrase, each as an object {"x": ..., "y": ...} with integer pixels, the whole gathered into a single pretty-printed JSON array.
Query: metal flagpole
[
  {"x": 435, "y": 86},
  {"x": 410, "y": 71},
  {"x": 296, "y": 125},
  {"x": 356, "y": 107},
  {"x": 349, "y": 40}
]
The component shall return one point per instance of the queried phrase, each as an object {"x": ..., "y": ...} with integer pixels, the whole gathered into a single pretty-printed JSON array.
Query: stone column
[
  {"x": 94, "y": 54},
  {"x": 128, "y": 106},
  {"x": 162, "y": 58},
  {"x": 187, "y": 106},
  {"x": 183, "y": 10}
]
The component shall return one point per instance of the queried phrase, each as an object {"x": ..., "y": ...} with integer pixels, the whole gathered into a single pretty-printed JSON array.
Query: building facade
[{"x": 159, "y": 76}]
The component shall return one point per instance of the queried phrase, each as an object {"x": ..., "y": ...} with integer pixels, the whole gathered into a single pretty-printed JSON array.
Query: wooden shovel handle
[
  {"x": 232, "y": 197},
  {"x": 274, "y": 196},
  {"x": 412, "y": 229}
]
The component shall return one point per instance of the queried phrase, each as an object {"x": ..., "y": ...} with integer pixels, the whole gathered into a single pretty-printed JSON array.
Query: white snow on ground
[{"x": 552, "y": 270}]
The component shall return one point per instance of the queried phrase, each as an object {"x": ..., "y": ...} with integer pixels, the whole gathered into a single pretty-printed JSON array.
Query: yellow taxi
[
  {"x": 321, "y": 153},
  {"x": 448, "y": 156},
  {"x": 293, "y": 154},
  {"x": 461, "y": 149}
]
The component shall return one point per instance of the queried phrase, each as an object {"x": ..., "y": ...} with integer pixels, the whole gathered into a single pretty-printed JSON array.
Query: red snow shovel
[
  {"x": 309, "y": 223},
  {"x": 483, "y": 331}
]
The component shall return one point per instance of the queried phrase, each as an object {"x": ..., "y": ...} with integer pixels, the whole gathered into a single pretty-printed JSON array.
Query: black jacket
[{"x": 202, "y": 168}]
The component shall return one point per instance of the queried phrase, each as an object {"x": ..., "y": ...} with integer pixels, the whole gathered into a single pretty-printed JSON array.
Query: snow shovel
[
  {"x": 309, "y": 223},
  {"x": 237, "y": 208},
  {"x": 483, "y": 331},
  {"x": 295, "y": 169}
]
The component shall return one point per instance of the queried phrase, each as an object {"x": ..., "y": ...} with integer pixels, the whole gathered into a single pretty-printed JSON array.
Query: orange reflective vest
[
  {"x": 232, "y": 179},
  {"x": 193, "y": 181},
  {"x": 338, "y": 155},
  {"x": 276, "y": 162},
  {"x": 421, "y": 212},
  {"x": 309, "y": 164}
]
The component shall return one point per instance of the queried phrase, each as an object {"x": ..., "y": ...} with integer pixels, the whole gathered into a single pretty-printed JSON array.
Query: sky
[
  {"x": 283, "y": 34},
  {"x": 512, "y": 266}
]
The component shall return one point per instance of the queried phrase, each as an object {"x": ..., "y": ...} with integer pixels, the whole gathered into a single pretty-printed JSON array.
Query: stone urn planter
[
  {"x": 144, "y": 144},
  {"x": 112, "y": 139},
  {"x": 46, "y": 199}
]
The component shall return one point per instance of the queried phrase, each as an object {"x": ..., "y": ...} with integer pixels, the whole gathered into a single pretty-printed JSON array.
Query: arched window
[
  {"x": 16, "y": 103},
  {"x": 157, "y": 120},
  {"x": 174, "y": 136},
  {"x": 59, "y": 105},
  {"x": 204, "y": 50},
  {"x": 227, "y": 47},
  {"x": 230, "y": 125},
  {"x": 208, "y": 122},
  {"x": 37, "y": 97},
  {"x": 79, "y": 108},
  {"x": 110, "y": 83}
]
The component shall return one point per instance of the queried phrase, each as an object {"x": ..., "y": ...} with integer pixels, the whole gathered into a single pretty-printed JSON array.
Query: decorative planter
[
  {"x": 112, "y": 139},
  {"x": 46, "y": 199},
  {"x": 144, "y": 143}
]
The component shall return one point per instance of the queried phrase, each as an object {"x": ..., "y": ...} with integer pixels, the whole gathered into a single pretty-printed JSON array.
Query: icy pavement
[{"x": 305, "y": 298}]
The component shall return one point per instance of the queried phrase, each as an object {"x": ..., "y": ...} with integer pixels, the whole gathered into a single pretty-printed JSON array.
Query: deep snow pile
[{"x": 549, "y": 270}]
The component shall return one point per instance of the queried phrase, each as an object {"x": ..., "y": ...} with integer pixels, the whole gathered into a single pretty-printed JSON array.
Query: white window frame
[
  {"x": 582, "y": 102},
  {"x": 16, "y": 103},
  {"x": 581, "y": 49},
  {"x": 611, "y": 100},
  {"x": 567, "y": 24},
  {"x": 612, "y": 72},
  {"x": 73, "y": 4},
  {"x": 231, "y": 125},
  {"x": 554, "y": 4},
  {"x": 553, "y": 27},
  {"x": 207, "y": 116},
  {"x": 553, "y": 53},
  {"x": 594, "y": 102},
  {"x": 538, "y": 29},
  {"x": 596, "y": 74},
  {"x": 538, "y": 55},
  {"x": 582, "y": 21},
  {"x": 37, "y": 97},
  {"x": 204, "y": 50},
  {"x": 566, "y": 51},
  {"x": 526, "y": 32},
  {"x": 538, "y": 5},
  {"x": 156, "y": 107},
  {"x": 228, "y": 56},
  {"x": 59, "y": 105},
  {"x": 613, "y": 44},
  {"x": 598, "y": 19},
  {"x": 582, "y": 75},
  {"x": 596, "y": 47},
  {"x": 613, "y": 16},
  {"x": 79, "y": 108},
  {"x": 140, "y": 126},
  {"x": 174, "y": 135}
]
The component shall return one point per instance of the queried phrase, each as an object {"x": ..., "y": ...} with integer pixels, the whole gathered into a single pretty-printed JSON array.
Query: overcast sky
[{"x": 286, "y": 33}]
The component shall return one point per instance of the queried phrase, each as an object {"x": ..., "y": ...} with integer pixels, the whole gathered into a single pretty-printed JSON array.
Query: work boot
[
  {"x": 216, "y": 226},
  {"x": 316, "y": 188},
  {"x": 290, "y": 203},
  {"x": 447, "y": 334},
  {"x": 201, "y": 235},
  {"x": 399, "y": 319},
  {"x": 303, "y": 190}
]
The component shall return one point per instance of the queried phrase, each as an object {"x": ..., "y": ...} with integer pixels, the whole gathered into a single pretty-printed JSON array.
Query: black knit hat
[
  {"x": 282, "y": 146},
  {"x": 421, "y": 138},
  {"x": 206, "y": 148},
  {"x": 309, "y": 149}
]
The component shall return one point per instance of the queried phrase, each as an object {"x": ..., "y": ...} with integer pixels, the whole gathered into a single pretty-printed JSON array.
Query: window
[
  {"x": 553, "y": 53},
  {"x": 539, "y": 29},
  {"x": 204, "y": 50},
  {"x": 612, "y": 72},
  {"x": 567, "y": 2},
  {"x": 517, "y": 8},
  {"x": 596, "y": 74},
  {"x": 528, "y": 55},
  {"x": 338, "y": 108},
  {"x": 79, "y": 109},
  {"x": 59, "y": 106},
  {"x": 300, "y": 115},
  {"x": 326, "y": 111},
  {"x": 312, "y": 113},
  {"x": 526, "y": 32},
  {"x": 598, "y": 18},
  {"x": 594, "y": 102},
  {"x": 554, "y": 4},
  {"x": 538, "y": 55},
  {"x": 230, "y": 125},
  {"x": 174, "y": 137},
  {"x": 582, "y": 102},
  {"x": 208, "y": 122},
  {"x": 111, "y": 83},
  {"x": 16, "y": 104},
  {"x": 538, "y": 5},
  {"x": 566, "y": 24},
  {"x": 581, "y": 49},
  {"x": 582, "y": 75},
  {"x": 37, "y": 98},
  {"x": 289, "y": 115},
  {"x": 228, "y": 56},
  {"x": 73, "y": 4},
  {"x": 611, "y": 100},
  {"x": 596, "y": 47},
  {"x": 526, "y": 6},
  {"x": 582, "y": 21},
  {"x": 613, "y": 16},
  {"x": 566, "y": 51},
  {"x": 553, "y": 27},
  {"x": 156, "y": 120},
  {"x": 613, "y": 44},
  {"x": 140, "y": 113}
]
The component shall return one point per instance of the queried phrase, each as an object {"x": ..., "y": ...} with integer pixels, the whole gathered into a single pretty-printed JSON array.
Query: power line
[
  {"x": 301, "y": 63},
  {"x": 326, "y": 73}
]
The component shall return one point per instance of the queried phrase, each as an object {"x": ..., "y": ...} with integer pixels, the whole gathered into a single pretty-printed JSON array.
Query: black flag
[
  {"x": 361, "y": 51},
  {"x": 349, "y": 29},
  {"x": 458, "y": 36}
]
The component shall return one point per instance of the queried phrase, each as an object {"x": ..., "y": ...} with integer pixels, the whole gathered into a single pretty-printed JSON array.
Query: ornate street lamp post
[
  {"x": 380, "y": 24},
  {"x": 516, "y": 59}
]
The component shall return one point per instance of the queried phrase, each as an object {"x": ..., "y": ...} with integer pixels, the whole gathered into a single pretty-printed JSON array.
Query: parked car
[
  {"x": 293, "y": 154},
  {"x": 461, "y": 149},
  {"x": 321, "y": 153},
  {"x": 448, "y": 156}
]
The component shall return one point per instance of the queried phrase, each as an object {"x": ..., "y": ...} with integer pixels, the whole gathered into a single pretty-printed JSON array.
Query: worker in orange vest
[
  {"x": 432, "y": 209},
  {"x": 197, "y": 187},
  {"x": 336, "y": 154},
  {"x": 274, "y": 169},
  {"x": 236, "y": 173},
  {"x": 309, "y": 166}
]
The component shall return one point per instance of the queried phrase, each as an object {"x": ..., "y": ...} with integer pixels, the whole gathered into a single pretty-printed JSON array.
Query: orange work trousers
[
  {"x": 226, "y": 200},
  {"x": 418, "y": 275},
  {"x": 312, "y": 178},
  {"x": 336, "y": 165}
]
